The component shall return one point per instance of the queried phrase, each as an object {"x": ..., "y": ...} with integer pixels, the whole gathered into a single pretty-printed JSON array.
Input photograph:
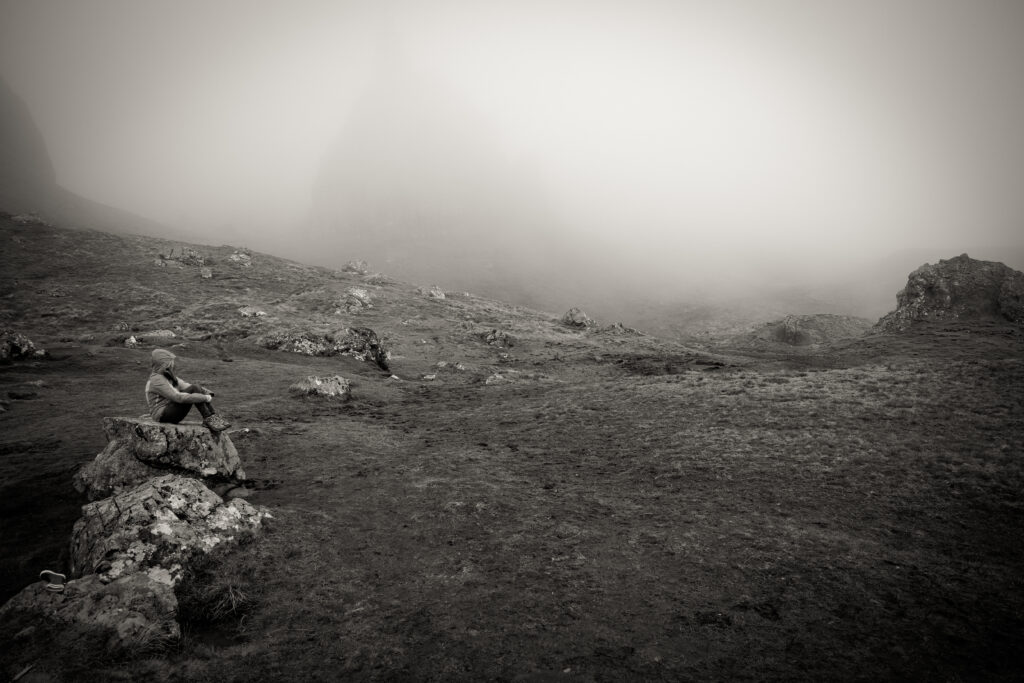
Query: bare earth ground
[{"x": 615, "y": 507}]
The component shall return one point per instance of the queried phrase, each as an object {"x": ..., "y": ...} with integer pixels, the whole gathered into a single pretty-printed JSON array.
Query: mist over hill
[{"x": 29, "y": 182}]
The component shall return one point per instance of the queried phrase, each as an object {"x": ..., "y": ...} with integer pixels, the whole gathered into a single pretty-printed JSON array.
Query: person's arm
[{"x": 159, "y": 384}]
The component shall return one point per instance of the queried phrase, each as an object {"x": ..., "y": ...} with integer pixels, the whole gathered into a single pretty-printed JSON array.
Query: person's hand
[{"x": 209, "y": 398}]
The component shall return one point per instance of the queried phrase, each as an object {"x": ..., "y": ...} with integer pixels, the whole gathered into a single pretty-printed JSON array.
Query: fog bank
[{"x": 655, "y": 147}]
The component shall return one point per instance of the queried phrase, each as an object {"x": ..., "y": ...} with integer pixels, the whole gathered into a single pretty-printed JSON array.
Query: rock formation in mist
[
  {"x": 28, "y": 179},
  {"x": 419, "y": 185},
  {"x": 959, "y": 288},
  {"x": 25, "y": 167}
]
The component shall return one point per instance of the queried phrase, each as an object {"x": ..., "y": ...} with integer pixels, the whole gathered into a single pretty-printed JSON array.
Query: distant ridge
[{"x": 28, "y": 182}]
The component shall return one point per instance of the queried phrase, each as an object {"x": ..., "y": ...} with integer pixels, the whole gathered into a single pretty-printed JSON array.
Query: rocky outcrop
[
  {"x": 140, "y": 449},
  {"x": 156, "y": 528},
  {"x": 359, "y": 342},
  {"x": 131, "y": 550},
  {"x": 959, "y": 288},
  {"x": 15, "y": 346},
  {"x": 336, "y": 387},
  {"x": 574, "y": 317},
  {"x": 131, "y": 614}
]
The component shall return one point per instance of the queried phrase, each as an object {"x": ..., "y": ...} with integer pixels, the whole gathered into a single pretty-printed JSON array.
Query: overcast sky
[{"x": 829, "y": 130}]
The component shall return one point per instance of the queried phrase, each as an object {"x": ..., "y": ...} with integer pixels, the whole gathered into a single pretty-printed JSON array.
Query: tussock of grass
[{"x": 219, "y": 586}]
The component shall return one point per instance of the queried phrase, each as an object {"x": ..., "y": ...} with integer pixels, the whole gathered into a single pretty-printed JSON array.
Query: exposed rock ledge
[{"x": 140, "y": 449}]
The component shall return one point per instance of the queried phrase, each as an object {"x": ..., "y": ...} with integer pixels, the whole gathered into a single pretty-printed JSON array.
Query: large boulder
[
  {"x": 128, "y": 615},
  {"x": 959, "y": 288},
  {"x": 139, "y": 449},
  {"x": 157, "y": 528},
  {"x": 325, "y": 387}
]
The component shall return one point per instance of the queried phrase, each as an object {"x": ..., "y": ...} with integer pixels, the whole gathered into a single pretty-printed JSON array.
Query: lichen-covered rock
[
  {"x": 15, "y": 346},
  {"x": 139, "y": 449},
  {"x": 574, "y": 317},
  {"x": 359, "y": 342},
  {"x": 955, "y": 289},
  {"x": 158, "y": 528},
  {"x": 132, "y": 614},
  {"x": 336, "y": 387}
]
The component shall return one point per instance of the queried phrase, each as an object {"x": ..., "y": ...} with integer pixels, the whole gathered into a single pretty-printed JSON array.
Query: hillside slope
[{"x": 518, "y": 499}]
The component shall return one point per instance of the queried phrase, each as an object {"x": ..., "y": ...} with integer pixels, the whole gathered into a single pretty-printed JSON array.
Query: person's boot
[{"x": 216, "y": 424}]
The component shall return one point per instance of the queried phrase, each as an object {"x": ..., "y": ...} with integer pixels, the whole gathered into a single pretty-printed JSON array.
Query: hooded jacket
[{"x": 160, "y": 390}]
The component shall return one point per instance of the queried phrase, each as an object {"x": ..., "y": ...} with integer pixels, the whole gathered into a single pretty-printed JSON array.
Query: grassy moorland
[{"x": 573, "y": 505}]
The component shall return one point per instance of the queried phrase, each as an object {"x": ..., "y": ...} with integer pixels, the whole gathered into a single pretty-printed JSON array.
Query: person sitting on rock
[{"x": 170, "y": 398}]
